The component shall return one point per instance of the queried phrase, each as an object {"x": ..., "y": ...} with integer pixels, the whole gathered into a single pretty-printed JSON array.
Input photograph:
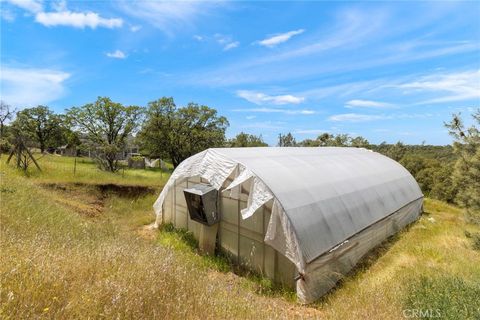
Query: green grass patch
[
  {"x": 447, "y": 297},
  {"x": 58, "y": 169},
  {"x": 184, "y": 241}
]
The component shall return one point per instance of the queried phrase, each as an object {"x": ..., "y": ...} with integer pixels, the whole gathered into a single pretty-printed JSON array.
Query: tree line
[{"x": 164, "y": 130}]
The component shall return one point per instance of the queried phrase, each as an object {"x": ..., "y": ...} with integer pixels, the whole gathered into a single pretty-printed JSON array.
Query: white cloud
[
  {"x": 168, "y": 16},
  {"x": 23, "y": 87},
  {"x": 367, "y": 104},
  {"x": 260, "y": 98},
  {"x": 198, "y": 38},
  {"x": 279, "y": 38},
  {"x": 250, "y": 117},
  {"x": 358, "y": 117},
  {"x": 231, "y": 45},
  {"x": 135, "y": 28},
  {"x": 76, "y": 20},
  {"x": 31, "y": 6},
  {"x": 60, "y": 5},
  {"x": 274, "y": 110},
  {"x": 63, "y": 17},
  {"x": 117, "y": 54},
  {"x": 355, "y": 117},
  {"x": 226, "y": 41},
  {"x": 458, "y": 86},
  {"x": 265, "y": 125}
]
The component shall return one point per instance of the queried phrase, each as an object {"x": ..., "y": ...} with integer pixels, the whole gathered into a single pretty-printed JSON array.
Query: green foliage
[
  {"x": 448, "y": 297},
  {"x": 396, "y": 151},
  {"x": 107, "y": 125},
  {"x": 6, "y": 114},
  {"x": 286, "y": 140},
  {"x": 339, "y": 140},
  {"x": 466, "y": 173},
  {"x": 5, "y": 146},
  {"x": 137, "y": 158},
  {"x": 41, "y": 126},
  {"x": 178, "y": 133},
  {"x": 246, "y": 140}
]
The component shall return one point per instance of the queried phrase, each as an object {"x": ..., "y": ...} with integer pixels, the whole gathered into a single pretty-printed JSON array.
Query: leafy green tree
[
  {"x": 178, "y": 133},
  {"x": 107, "y": 125},
  {"x": 415, "y": 163},
  {"x": 466, "y": 174},
  {"x": 41, "y": 125},
  {"x": 6, "y": 114},
  {"x": 339, "y": 140},
  {"x": 442, "y": 187},
  {"x": 246, "y": 140},
  {"x": 286, "y": 140},
  {"x": 359, "y": 142},
  {"x": 396, "y": 151}
]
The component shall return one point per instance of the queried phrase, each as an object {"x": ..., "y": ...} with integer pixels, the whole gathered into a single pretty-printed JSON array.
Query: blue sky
[{"x": 388, "y": 71}]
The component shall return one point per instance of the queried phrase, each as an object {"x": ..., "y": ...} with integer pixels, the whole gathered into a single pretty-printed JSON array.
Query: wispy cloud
[
  {"x": 7, "y": 15},
  {"x": 355, "y": 117},
  {"x": 169, "y": 16},
  {"x": 135, "y": 28},
  {"x": 23, "y": 87},
  {"x": 117, "y": 54},
  {"x": 265, "y": 125},
  {"x": 226, "y": 41},
  {"x": 358, "y": 117},
  {"x": 276, "y": 110},
  {"x": 261, "y": 98},
  {"x": 367, "y": 104},
  {"x": 352, "y": 28},
  {"x": 458, "y": 86},
  {"x": 231, "y": 45},
  {"x": 31, "y": 6},
  {"x": 279, "y": 38},
  {"x": 77, "y": 20}
]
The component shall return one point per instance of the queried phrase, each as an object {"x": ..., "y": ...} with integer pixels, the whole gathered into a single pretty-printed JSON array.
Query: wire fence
[{"x": 73, "y": 166}]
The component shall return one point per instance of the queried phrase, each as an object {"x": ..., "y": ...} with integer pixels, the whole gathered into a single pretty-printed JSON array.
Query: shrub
[{"x": 5, "y": 146}]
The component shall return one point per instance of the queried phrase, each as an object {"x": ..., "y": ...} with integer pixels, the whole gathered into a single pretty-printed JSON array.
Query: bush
[
  {"x": 446, "y": 297},
  {"x": 5, "y": 146}
]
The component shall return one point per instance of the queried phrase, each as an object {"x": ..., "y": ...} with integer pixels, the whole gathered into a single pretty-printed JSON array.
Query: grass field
[
  {"x": 59, "y": 169},
  {"x": 73, "y": 248}
]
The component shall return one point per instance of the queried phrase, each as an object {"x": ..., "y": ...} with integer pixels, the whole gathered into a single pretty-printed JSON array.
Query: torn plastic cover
[{"x": 216, "y": 168}]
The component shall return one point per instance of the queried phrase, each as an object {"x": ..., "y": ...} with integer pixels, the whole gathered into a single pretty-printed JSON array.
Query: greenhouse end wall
[{"x": 241, "y": 239}]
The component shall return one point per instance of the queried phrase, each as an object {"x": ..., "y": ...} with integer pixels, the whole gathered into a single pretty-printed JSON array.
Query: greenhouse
[{"x": 302, "y": 217}]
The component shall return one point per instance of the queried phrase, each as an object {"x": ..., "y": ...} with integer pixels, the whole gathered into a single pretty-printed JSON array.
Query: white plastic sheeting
[{"x": 322, "y": 196}]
